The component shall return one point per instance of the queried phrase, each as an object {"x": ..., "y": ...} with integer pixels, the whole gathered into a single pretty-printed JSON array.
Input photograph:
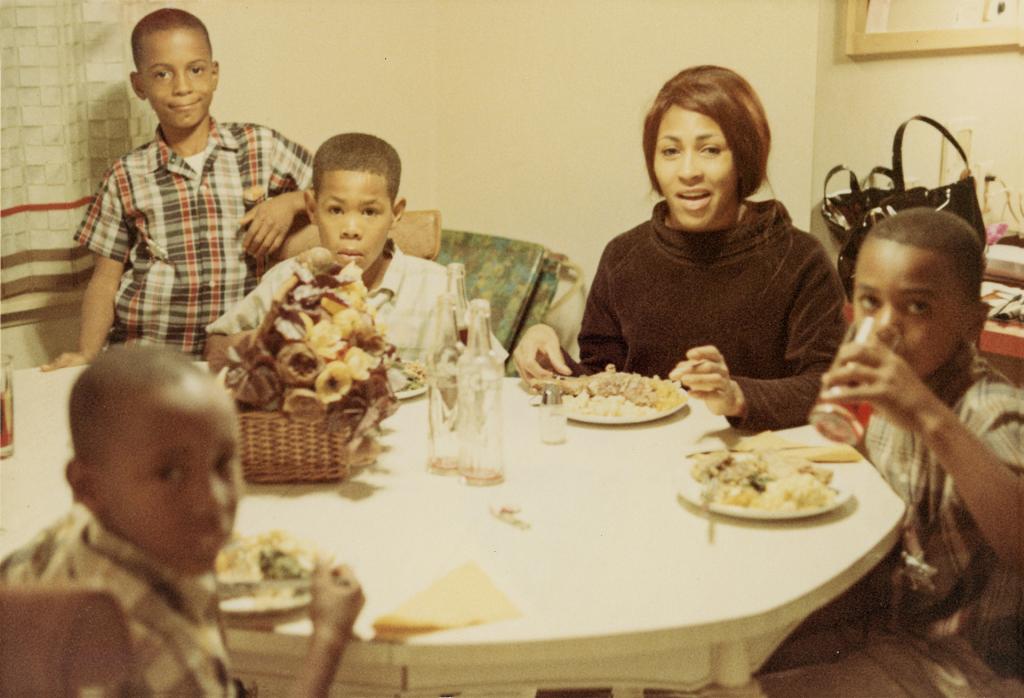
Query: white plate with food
[
  {"x": 266, "y": 600},
  {"x": 410, "y": 393},
  {"x": 628, "y": 415},
  {"x": 615, "y": 397},
  {"x": 266, "y": 573},
  {"x": 408, "y": 379},
  {"x": 765, "y": 485}
]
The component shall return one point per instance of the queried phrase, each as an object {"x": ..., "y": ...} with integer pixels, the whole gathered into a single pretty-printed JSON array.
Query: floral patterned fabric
[{"x": 511, "y": 274}]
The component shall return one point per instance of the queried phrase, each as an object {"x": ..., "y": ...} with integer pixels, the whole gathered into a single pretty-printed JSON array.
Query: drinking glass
[{"x": 845, "y": 422}]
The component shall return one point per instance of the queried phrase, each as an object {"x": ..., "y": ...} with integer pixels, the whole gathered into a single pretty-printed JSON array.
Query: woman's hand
[
  {"x": 875, "y": 374},
  {"x": 706, "y": 376},
  {"x": 538, "y": 354}
]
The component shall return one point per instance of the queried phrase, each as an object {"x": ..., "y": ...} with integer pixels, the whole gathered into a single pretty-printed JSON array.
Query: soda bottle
[
  {"x": 442, "y": 388},
  {"x": 844, "y": 422},
  {"x": 457, "y": 287},
  {"x": 481, "y": 456}
]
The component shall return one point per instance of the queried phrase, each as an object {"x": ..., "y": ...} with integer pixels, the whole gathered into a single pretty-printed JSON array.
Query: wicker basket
[{"x": 276, "y": 449}]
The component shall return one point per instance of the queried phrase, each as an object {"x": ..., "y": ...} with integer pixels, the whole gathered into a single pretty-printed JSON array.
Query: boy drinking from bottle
[{"x": 947, "y": 433}]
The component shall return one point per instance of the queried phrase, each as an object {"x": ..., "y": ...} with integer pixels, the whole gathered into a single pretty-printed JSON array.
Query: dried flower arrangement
[{"x": 315, "y": 371}]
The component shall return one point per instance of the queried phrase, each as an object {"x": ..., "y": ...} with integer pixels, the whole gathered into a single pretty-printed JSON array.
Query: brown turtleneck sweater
[{"x": 763, "y": 292}]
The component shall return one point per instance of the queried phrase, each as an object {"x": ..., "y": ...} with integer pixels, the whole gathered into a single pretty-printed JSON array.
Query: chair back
[
  {"x": 416, "y": 233},
  {"x": 58, "y": 641},
  {"x": 504, "y": 271}
]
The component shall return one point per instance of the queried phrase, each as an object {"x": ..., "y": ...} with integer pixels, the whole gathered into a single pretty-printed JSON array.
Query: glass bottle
[
  {"x": 442, "y": 388},
  {"x": 7, "y": 407},
  {"x": 845, "y": 422},
  {"x": 481, "y": 457},
  {"x": 457, "y": 287}
]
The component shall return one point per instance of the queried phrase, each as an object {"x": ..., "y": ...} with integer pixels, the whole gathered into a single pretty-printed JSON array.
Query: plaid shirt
[
  {"x": 975, "y": 593},
  {"x": 177, "y": 231},
  {"x": 173, "y": 620}
]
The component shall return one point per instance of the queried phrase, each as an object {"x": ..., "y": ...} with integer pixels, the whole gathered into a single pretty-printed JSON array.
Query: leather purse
[
  {"x": 959, "y": 197},
  {"x": 844, "y": 211}
]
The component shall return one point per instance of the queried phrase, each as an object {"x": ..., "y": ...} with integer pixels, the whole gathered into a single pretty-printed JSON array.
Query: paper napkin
[
  {"x": 770, "y": 441},
  {"x": 765, "y": 441},
  {"x": 464, "y": 596}
]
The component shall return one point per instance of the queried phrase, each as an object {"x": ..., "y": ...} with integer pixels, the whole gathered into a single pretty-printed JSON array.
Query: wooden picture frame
[{"x": 862, "y": 43}]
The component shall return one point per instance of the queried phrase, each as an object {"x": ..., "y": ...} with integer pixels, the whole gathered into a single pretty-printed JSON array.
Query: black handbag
[
  {"x": 959, "y": 197},
  {"x": 843, "y": 211}
]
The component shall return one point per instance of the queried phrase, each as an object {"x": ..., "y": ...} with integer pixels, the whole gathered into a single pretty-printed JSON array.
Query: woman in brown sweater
[{"x": 720, "y": 293}]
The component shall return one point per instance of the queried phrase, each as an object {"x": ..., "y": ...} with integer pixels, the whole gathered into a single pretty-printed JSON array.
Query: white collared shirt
[{"x": 404, "y": 301}]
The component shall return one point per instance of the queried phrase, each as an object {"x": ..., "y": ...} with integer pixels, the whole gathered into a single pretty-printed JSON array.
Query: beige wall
[
  {"x": 314, "y": 68},
  {"x": 542, "y": 107},
  {"x": 513, "y": 118}
]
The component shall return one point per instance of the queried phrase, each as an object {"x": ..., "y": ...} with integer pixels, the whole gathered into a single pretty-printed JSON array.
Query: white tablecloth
[{"x": 616, "y": 578}]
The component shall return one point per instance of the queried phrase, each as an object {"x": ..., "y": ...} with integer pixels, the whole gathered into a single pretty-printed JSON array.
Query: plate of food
[
  {"x": 761, "y": 485},
  {"x": 616, "y": 397},
  {"x": 408, "y": 379},
  {"x": 266, "y": 573}
]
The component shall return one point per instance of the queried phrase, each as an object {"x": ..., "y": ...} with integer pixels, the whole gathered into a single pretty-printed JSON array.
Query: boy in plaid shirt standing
[{"x": 166, "y": 227}]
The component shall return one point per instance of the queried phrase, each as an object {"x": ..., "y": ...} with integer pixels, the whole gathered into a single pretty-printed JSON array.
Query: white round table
[{"x": 617, "y": 580}]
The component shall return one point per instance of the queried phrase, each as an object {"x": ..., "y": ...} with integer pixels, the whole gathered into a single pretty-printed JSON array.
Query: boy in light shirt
[{"x": 354, "y": 203}]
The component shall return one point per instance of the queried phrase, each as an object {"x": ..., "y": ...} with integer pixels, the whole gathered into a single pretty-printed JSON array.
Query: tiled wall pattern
[{"x": 67, "y": 113}]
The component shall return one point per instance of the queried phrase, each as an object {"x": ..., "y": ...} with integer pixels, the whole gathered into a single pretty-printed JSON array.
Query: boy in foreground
[
  {"x": 354, "y": 203},
  {"x": 947, "y": 433},
  {"x": 155, "y": 482},
  {"x": 180, "y": 228}
]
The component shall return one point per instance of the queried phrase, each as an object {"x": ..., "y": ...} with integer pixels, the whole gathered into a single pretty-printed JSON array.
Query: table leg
[
  {"x": 730, "y": 664},
  {"x": 629, "y": 691}
]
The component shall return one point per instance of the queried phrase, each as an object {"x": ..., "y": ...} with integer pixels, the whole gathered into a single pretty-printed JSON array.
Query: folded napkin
[
  {"x": 770, "y": 441},
  {"x": 464, "y": 596}
]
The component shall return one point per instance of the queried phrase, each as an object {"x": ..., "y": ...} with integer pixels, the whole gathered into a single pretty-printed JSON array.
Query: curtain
[{"x": 67, "y": 113}]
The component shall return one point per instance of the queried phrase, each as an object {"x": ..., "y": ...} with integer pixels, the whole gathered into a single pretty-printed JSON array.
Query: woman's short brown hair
[{"x": 726, "y": 97}]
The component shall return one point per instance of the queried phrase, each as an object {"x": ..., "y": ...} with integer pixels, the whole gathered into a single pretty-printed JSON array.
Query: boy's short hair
[
  {"x": 723, "y": 95},
  {"x": 112, "y": 386},
  {"x": 164, "y": 20},
  {"x": 943, "y": 232},
  {"x": 358, "y": 152}
]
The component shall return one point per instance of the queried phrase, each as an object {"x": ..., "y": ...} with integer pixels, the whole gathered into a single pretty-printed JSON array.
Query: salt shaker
[{"x": 552, "y": 416}]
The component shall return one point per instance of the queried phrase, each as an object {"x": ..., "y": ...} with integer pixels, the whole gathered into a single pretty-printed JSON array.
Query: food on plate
[
  {"x": 407, "y": 376},
  {"x": 251, "y": 562},
  {"x": 766, "y": 480},
  {"x": 613, "y": 393}
]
